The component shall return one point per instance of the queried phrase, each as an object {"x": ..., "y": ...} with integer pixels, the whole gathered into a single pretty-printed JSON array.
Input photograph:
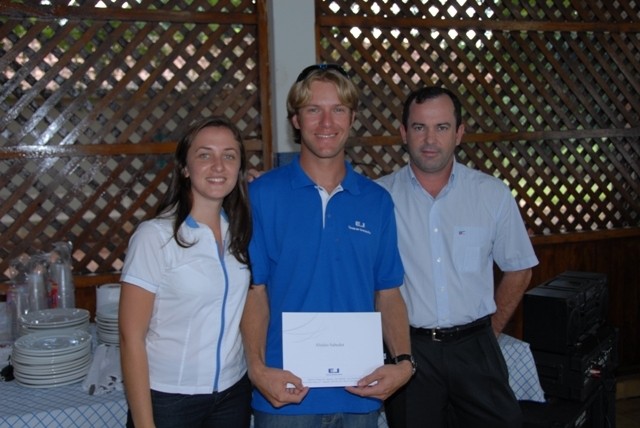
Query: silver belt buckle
[{"x": 433, "y": 335}]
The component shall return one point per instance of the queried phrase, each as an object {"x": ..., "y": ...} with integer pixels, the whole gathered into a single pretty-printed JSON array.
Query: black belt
[{"x": 449, "y": 334}]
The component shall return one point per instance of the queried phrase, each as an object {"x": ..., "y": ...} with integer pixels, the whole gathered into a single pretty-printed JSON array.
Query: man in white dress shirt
[{"x": 453, "y": 224}]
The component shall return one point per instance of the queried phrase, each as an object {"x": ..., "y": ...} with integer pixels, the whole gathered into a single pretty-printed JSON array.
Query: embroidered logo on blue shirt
[{"x": 360, "y": 226}]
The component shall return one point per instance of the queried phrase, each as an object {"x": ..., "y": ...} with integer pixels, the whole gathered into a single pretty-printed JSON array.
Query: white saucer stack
[
  {"x": 54, "y": 319},
  {"x": 51, "y": 358},
  {"x": 107, "y": 324}
]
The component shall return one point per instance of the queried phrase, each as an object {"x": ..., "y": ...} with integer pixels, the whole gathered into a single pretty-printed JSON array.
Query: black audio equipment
[
  {"x": 575, "y": 352},
  {"x": 560, "y": 312},
  {"x": 559, "y": 413},
  {"x": 576, "y": 375}
]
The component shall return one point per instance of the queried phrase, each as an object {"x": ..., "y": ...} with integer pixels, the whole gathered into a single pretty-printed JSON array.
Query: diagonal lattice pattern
[
  {"x": 532, "y": 99},
  {"x": 93, "y": 202},
  {"x": 550, "y": 103},
  {"x": 111, "y": 74},
  {"x": 103, "y": 82},
  {"x": 509, "y": 83},
  {"x": 548, "y": 11}
]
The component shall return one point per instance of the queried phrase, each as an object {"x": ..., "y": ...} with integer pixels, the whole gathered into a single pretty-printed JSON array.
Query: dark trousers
[
  {"x": 230, "y": 408},
  {"x": 461, "y": 383}
]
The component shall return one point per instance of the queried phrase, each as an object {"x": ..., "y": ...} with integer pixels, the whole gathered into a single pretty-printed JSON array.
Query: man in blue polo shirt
[{"x": 324, "y": 240}]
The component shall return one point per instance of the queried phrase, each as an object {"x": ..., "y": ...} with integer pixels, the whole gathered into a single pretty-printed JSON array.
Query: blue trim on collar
[{"x": 191, "y": 222}]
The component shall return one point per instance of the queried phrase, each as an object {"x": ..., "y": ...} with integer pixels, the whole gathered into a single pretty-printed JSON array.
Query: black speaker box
[
  {"x": 595, "y": 412},
  {"x": 576, "y": 375},
  {"x": 559, "y": 312}
]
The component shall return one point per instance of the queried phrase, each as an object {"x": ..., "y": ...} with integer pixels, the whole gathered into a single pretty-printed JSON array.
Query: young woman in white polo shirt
[{"x": 184, "y": 284}]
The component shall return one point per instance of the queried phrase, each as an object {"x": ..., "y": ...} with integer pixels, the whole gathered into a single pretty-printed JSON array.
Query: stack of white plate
[
  {"x": 51, "y": 358},
  {"x": 54, "y": 319},
  {"x": 107, "y": 324}
]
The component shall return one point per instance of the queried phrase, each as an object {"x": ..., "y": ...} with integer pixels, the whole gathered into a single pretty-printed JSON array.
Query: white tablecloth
[
  {"x": 523, "y": 375},
  {"x": 59, "y": 407},
  {"x": 71, "y": 407}
]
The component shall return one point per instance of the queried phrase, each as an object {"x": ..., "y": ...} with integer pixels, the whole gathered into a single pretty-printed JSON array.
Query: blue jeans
[
  {"x": 230, "y": 408},
  {"x": 334, "y": 420}
]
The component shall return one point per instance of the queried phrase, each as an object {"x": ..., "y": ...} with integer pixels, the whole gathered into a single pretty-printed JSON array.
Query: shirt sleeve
[
  {"x": 144, "y": 262},
  {"x": 513, "y": 249}
]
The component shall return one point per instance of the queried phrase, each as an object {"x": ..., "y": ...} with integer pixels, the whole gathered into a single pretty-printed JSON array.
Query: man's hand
[
  {"x": 508, "y": 295},
  {"x": 278, "y": 386},
  {"x": 384, "y": 381}
]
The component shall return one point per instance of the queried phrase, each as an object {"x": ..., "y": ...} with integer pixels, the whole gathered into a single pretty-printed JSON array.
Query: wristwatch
[{"x": 407, "y": 357}]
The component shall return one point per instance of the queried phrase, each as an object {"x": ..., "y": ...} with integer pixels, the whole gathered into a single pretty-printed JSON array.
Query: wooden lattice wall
[
  {"x": 551, "y": 97},
  {"x": 93, "y": 97},
  {"x": 551, "y": 93}
]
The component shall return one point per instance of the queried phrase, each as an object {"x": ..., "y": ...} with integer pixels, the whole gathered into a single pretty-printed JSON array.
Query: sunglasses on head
[{"x": 308, "y": 70}]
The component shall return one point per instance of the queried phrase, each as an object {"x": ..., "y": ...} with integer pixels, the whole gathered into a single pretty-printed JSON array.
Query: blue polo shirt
[{"x": 314, "y": 264}]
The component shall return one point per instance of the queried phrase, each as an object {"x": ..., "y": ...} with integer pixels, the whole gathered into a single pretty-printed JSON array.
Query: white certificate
[{"x": 331, "y": 348}]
